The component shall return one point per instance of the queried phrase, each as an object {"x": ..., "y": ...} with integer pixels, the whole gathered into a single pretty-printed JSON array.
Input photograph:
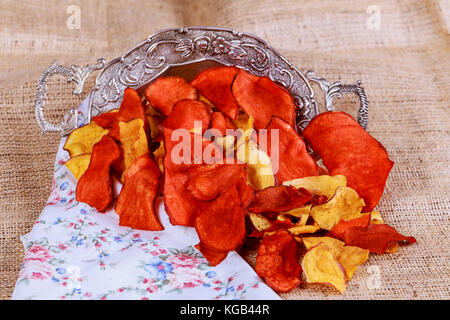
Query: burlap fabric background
[{"x": 403, "y": 62}]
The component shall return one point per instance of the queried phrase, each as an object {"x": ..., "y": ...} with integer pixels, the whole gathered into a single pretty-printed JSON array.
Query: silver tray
[{"x": 185, "y": 52}]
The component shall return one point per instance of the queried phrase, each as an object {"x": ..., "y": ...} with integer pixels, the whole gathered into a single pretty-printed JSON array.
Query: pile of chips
[{"x": 307, "y": 217}]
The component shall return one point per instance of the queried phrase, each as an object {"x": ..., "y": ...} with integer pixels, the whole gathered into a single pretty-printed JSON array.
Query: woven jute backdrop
[{"x": 399, "y": 49}]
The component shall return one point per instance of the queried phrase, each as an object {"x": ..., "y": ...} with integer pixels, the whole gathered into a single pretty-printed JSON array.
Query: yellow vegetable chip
[
  {"x": 350, "y": 258},
  {"x": 203, "y": 99},
  {"x": 334, "y": 245},
  {"x": 133, "y": 140},
  {"x": 296, "y": 230},
  {"x": 82, "y": 140},
  {"x": 259, "y": 221},
  {"x": 259, "y": 168},
  {"x": 345, "y": 204},
  {"x": 159, "y": 154},
  {"x": 153, "y": 123},
  {"x": 78, "y": 164},
  {"x": 323, "y": 185},
  {"x": 321, "y": 267},
  {"x": 302, "y": 213}
]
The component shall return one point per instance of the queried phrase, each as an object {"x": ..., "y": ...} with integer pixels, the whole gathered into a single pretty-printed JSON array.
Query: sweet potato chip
[
  {"x": 164, "y": 92},
  {"x": 345, "y": 204},
  {"x": 324, "y": 185},
  {"x": 259, "y": 167},
  {"x": 291, "y": 154},
  {"x": 153, "y": 123},
  {"x": 245, "y": 191},
  {"x": 243, "y": 122},
  {"x": 133, "y": 140},
  {"x": 215, "y": 85},
  {"x": 95, "y": 185},
  {"x": 158, "y": 155},
  {"x": 261, "y": 98},
  {"x": 350, "y": 258},
  {"x": 220, "y": 223},
  {"x": 375, "y": 218},
  {"x": 375, "y": 237},
  {"x": 302, "y": 213},
  {"x": 205, "y": 182},
  {"x": 78, "y": 164},
  {"x": 321, "y": 266},
  {"x": 278, "y": 199},
  {"x": 185, "y": 113},
  {"x": 83, "y": 139},
  {"x": 277, "y": 263},
  {"x": 349, "y": 150},
  {"x": 259, "y": 221},
  {"x": 296, "y": 230},
  {"x": 136, "y": 202}
]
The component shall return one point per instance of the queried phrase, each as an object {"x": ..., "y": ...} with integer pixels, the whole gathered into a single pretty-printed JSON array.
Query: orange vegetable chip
[
  {"x": 293, "y": 158},
  {"x": 261, "y": 98},
  {"x": 349, "y": 150},
  {"x": 342, "y": 226},
  {"x": 130, "y": 108},
  {"x": 185, "y": 112},
  {"x": 220, "y": 223},
  {"x": 278, "y": 199},
  {"x": 277, "y": 263},
  {"x": 214, "y": 257},
  {"x": 221, "y": 122},
  {"x": 166, "y": 91},
  {"x": 205, "y": 182},
  {"x": 375, "y": 237},
  {"x": 136, "y": 202},
  {"x": 95, "y": 185},
  {"x": 215, "y": 85},
  {"x": 107, "y": 119},
  {"x": 179, "y": 202}
]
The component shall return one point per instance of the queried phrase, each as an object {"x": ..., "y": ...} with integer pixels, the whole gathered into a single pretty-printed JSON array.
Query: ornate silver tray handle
[{"x": 186, "y": 52}]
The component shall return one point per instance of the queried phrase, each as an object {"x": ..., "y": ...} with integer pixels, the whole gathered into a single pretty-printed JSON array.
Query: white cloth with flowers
[{"x": 74, "y": 252}]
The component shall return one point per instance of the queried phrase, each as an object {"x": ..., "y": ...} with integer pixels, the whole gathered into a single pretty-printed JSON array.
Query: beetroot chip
[
  {"x": 375, "y": 237},
  {"x": 166, "y": 91},
  {"x": 278, "y": 199},
  {"x": 261, "y": 98},
  {"x": 342, "y": 226},
  {"x": 215, "y": 85}
]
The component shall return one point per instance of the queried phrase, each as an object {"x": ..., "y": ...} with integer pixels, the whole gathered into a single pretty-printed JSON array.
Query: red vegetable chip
[
  {"x": 375, "y": 237},
  {"x": 342, "y": 226},
  {"x": 136, "y": 202},
  {"x": 214, "y": 257},
  {"x": 350, "y": 151},
  {"x": 277, "y": 263},
  {"x": 220, "y": 223},
  {"x": 166, "y": 91},
  {"x": 130, "y": 108},
  {"x": 278, "y": 199},
  {"x": 95, "y": 185},
  {"x": 185, "y": 113},
  {"x": 293, "y": 159},
  {"x": 179, "y": 203},
  {"x": 245, "y": 191},
  {"x": 105, "y": 120},
  {"x": 261, "y": 98},
  {"x": 221, "y": 122},
  {"x": 205, "y": 182},
  {"x": 215, "y": 85}
]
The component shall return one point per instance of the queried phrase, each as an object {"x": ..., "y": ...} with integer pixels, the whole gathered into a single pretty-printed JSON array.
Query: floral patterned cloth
[{"x": 74, "y": 252}]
